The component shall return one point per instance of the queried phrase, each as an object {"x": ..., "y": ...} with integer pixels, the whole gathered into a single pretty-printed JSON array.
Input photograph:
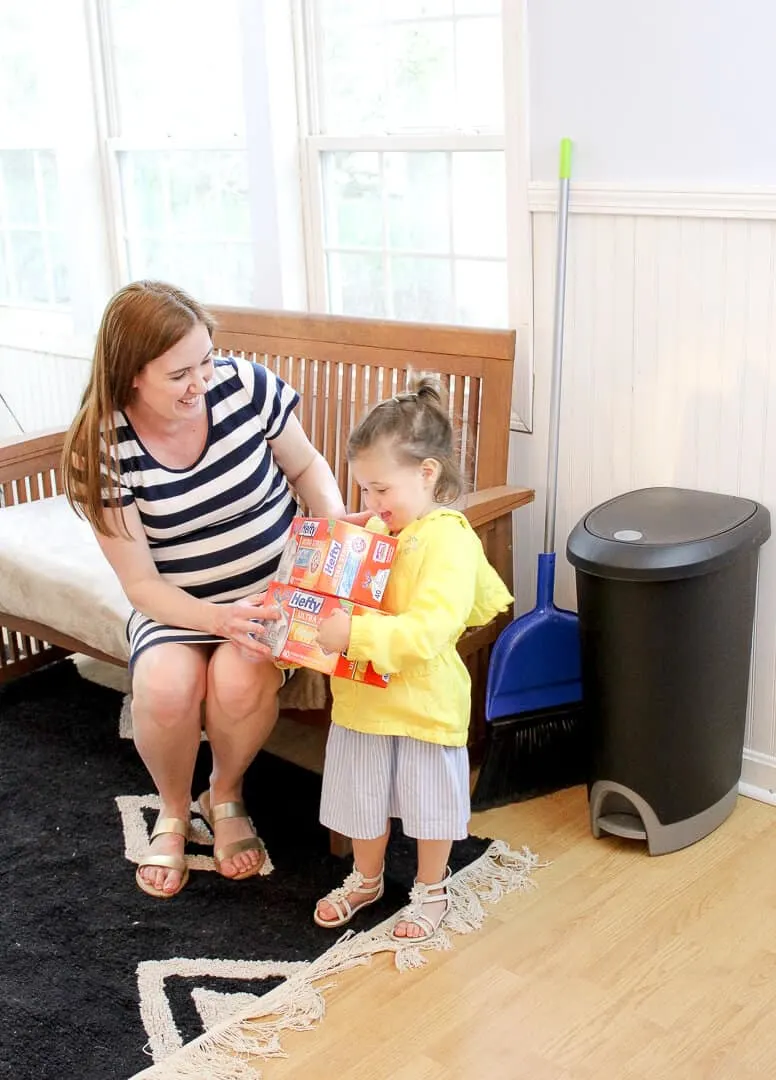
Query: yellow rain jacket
[{"x": 440, "y": 583}]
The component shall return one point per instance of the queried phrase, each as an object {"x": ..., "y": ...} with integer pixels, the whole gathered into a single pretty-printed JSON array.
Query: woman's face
[{"x": 173, "y": 386}]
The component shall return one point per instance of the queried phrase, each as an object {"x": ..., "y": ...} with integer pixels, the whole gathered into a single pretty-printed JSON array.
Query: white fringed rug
[{"x": 230, "y": 1047}]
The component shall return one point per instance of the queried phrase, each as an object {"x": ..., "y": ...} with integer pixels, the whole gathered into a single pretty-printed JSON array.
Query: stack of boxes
[{"x": 326, "y": 565}]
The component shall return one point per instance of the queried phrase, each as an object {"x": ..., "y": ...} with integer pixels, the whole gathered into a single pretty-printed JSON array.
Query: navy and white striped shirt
[{"x": 216, "y": 529}]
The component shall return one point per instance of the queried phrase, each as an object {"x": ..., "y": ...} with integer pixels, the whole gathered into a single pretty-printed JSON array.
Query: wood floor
[{"x": 617, "y": 965}]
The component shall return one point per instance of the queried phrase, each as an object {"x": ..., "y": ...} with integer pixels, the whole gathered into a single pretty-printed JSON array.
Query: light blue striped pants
[{"x": 370, "y": 778}]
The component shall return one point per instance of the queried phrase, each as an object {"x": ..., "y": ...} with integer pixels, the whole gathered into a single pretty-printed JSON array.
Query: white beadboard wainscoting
[{"x": 669, "y": 378}]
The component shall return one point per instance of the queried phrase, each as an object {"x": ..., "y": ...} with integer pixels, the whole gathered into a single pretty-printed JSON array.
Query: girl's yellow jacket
[{"x": 440, "y": 583}]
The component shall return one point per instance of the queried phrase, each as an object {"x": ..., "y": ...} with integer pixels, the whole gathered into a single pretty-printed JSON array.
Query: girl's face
[
  {"x": 393, "y": 490},
  {"x": 173, "y": 385}
]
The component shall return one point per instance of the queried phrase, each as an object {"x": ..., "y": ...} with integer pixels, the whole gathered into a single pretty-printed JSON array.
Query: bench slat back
[{"x": 342, "y": 366}]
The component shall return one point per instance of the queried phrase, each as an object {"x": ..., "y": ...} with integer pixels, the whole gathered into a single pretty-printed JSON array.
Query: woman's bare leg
[
  {"x": 168, "y": 685},
  {"x": 241, "y": 710}
]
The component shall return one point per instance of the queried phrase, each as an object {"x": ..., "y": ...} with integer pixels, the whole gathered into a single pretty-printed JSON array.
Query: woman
[{"x": 183, "y": 465}]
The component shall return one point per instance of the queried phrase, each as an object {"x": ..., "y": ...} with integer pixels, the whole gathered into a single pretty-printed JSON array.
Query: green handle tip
[{"x": 565, "y": 159}]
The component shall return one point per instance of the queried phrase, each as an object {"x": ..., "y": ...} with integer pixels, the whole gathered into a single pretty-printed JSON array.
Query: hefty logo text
[
  {"x": 331, "y": 559},
  {"x": 309, "y": 528},
  {"x": 306, "y": 602}
]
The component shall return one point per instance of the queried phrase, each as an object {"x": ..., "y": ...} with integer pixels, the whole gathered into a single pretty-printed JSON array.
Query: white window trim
[{"x": 519, "y": 220}]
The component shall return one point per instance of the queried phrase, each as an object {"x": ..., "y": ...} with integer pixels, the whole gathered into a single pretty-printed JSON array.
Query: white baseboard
[
  {"x": 758, "y": 777},
  {"x": 758, "y": 793}
]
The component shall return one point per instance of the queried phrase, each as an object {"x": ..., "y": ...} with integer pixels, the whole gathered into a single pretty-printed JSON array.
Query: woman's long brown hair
[{"x": 141, "y": 322}]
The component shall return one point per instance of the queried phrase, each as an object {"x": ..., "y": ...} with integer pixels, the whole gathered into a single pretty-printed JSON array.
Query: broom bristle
[{"x": 530, "y": 755}]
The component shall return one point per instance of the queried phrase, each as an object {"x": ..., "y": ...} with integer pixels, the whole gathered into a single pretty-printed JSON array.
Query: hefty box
[
  {"x": 292, "y": 637},
  {"x": 337, "y": 558}
]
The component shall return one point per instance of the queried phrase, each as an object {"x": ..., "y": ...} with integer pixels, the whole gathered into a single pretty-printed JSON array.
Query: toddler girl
[{"x": 400, "y": 751}]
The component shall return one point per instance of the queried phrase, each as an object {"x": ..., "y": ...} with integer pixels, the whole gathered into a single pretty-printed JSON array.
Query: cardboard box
[
  {"x": 338, "y": 559},
  {"x": 292, "y": 637}
]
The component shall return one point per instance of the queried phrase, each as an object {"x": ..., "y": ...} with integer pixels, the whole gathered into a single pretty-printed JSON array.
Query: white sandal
[
  {"x": 355, "y": 882},
  {"x": 423, "y": 894}
]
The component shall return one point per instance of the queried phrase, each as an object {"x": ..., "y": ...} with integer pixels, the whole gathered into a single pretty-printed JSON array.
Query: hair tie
[{"x": 405, "y": 395}]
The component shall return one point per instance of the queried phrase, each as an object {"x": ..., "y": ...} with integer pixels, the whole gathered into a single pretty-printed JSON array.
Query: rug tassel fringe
[{"x": 229, "y": 1050}]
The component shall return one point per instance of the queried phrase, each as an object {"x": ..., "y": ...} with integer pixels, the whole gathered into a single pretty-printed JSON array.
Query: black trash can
[{"x": 666, "y": 581}]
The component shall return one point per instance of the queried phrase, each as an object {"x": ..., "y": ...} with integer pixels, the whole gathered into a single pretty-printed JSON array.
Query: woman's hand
[
  {"x": 238, "y": 623},
  {"x": 334, "y": 633},
  {"x": 360, "y": 518}
]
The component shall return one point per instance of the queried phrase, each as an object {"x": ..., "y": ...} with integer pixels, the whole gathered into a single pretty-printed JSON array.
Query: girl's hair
[
  {"x": 417, "y": 424},
  {"x": 140, "y": 323}
]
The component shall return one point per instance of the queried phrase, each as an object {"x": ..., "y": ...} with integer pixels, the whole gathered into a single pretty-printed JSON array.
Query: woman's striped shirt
[{"x": 216, "y": 529}]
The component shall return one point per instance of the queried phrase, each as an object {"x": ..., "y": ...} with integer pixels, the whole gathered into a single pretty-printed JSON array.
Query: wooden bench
[{"x": 340, "y": 366}]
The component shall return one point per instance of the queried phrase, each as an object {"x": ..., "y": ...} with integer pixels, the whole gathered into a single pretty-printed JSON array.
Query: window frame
[
  {"x": 512, "y": 141},
  {"x": 113, "y": 143}
]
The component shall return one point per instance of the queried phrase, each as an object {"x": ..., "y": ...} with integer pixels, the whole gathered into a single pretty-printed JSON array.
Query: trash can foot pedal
[
  {"x": 628, "y": 825},
  {"x": 617, "y": 810}
]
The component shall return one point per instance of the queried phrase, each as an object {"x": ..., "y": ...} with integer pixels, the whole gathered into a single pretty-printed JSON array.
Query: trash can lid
[{"x": 661, "y": 533}]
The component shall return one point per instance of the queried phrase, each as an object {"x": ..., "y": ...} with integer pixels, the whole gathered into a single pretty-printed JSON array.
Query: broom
[{"x": 536, "y": 739}]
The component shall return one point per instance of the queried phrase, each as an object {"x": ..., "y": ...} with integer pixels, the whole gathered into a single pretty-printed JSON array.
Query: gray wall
[{"x": 657, "y": 91}]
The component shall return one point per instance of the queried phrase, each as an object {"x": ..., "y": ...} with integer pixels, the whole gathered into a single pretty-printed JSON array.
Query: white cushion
[{"x": 53, "y": 572}]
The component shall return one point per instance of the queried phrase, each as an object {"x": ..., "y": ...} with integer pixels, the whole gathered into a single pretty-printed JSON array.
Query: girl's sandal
[
  {"x": 371, "y": 888},
  {"x": 220, "y": 812},
  {"x": 168, "y": 862},
  {"x": 419, "y": 896}
]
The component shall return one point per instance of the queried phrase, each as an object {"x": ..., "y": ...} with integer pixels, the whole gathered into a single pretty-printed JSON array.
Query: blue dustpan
[{"x": 535, "y": 663}]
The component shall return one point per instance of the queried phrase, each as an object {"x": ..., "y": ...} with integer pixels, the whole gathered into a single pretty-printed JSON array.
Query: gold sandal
[
  {"x": 179, "y": 827},
  {"x": 220, "y": 812}
]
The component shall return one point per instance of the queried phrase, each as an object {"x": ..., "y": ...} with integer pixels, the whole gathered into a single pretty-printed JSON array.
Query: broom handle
[{"x": 557, "y": 346}]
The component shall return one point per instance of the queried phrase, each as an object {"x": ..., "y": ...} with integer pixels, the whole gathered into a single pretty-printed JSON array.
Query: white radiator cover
[{"x": 42, "y": 389}]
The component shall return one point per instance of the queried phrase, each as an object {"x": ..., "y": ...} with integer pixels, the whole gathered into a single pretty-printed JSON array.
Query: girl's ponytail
[{"x": 416, "y": 421}]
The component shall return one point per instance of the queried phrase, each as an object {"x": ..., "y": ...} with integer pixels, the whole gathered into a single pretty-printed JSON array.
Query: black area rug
[{"x": 78, "y": 936}]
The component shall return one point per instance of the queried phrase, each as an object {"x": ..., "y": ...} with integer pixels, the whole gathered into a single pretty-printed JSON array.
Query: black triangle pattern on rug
[{"x": 76, "y": 931}]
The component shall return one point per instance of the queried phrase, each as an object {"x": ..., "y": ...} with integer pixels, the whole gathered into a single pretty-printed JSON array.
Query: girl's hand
[
  {"x": 334, "y": 633},
  {"x": 237, "y": 622}
]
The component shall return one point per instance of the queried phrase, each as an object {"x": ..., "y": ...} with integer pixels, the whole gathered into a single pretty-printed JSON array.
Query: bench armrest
[
  {"x": 28, "y": 455},
  {"x": 480, "y": 507}
]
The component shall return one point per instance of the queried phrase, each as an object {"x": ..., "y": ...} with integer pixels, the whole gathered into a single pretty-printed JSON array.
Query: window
[
  {"x": 177, "y": 144},
  {"x": 33, "y": 268},
  {"x": 144, "y": 138},
  {"x": 406, "y": 163},
  {"x": 33, "y": 265},
  {"x": 161, "y": 138}
]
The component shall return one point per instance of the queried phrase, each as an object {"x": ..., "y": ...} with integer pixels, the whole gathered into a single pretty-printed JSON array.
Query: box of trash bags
[{"x": 326, "y": 565}]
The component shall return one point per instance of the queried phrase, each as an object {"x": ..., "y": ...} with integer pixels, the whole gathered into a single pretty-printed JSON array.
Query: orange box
[
  {"x": 338, "y": 559},
  {"x": 292, "y": 637}
]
